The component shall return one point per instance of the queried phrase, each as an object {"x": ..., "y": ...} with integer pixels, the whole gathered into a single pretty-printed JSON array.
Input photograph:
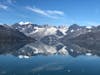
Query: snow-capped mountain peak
[{"x": 24, "y": 23}]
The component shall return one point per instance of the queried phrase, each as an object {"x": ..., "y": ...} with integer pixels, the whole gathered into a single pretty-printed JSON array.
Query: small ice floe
[
  {"x": 20, "y": 56},
  {"x": 23, "y": 56},
  {"x": 26, "y": 57},
  {"x": 88, "y": 54}
]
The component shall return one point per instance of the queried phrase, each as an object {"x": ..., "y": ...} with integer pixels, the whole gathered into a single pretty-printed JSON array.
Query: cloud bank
[{"x": 48, "y": 13}]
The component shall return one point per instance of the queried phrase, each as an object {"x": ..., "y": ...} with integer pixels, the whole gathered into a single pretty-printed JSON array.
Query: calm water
[{"x": 41, "y": 59}]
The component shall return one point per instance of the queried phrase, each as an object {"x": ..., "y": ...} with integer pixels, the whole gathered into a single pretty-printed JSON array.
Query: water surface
[{"x": 42, "y": 59}]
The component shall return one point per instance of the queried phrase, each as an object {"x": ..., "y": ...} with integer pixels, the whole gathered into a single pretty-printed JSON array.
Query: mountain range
[{"x": 87, "y": 36}]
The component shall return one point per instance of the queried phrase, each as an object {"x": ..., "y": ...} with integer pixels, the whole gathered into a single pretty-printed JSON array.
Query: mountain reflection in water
[
  {"x": 41, "y": 59},
  {"x": 39, "y": 48}
]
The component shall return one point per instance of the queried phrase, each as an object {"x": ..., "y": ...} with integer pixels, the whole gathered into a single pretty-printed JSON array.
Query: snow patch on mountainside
[
  {"x": 72, "y": 30},
  {"x": 89, "y": 27},
  {"x": 63, "y": 30},
  {"x": 50, "y": 31}
]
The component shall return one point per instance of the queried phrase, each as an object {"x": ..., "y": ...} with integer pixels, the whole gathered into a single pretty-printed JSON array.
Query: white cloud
[
  {"x": 3, "y": 6},
  {"x": 48, "y": 13},
  {"x": 55, "y": 12},
  {"x": 37, "y": 10}
]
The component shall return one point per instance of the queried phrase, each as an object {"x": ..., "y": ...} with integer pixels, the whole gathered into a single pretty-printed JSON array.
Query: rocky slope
[{"x": 7, "y": 34}]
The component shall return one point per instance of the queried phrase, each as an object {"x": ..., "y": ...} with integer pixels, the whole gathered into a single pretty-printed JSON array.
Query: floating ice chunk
[
  {"x": 88, "y": 54},
  {"x": 20, "y": 56},
  {"x": 26, "y": 57},
  {"x": 23, "y": 56}
]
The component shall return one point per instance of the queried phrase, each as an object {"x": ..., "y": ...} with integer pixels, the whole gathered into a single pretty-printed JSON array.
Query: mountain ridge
[{"x": 53, "y": 34}]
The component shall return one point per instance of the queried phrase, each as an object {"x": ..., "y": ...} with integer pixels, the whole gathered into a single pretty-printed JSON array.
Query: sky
[{"x": 52, "y": 12}]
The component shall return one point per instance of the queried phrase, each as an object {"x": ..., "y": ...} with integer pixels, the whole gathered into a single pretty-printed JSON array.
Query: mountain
[
  {"x": 87, "y": 37},
  {"x": 40, "y": 31},
  {"x": 7, "y": 34},
  {"x": 76, "y": 30},
  {"x": 90, "y": 40},
  {"x": 54, "y": 34}
]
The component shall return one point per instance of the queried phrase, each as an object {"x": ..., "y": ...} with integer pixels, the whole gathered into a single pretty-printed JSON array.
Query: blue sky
[{"x": 54, "y": 12}]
